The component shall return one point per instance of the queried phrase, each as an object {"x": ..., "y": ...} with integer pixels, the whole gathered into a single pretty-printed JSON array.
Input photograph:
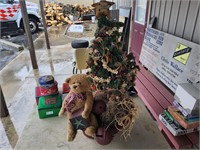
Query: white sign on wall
[{"x": 173, "y": 60}]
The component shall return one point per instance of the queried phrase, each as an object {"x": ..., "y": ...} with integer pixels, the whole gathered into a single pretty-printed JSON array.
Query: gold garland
[
  {"x": 101, "y": 80},
  {"x": 95, "y": 60},
  {"x": 124, "y": 119},
  {"x": 99, "y": 39},
  {"x": 110, "y": 32},
  {"x": 105, "y": 66}
]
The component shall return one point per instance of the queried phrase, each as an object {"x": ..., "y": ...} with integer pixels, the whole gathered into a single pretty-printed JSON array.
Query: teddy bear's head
[{"x": 79, "y": 83}]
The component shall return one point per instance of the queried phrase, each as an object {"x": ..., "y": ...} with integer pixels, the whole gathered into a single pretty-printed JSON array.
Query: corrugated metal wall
[
  {"x": 178, "y": 17},
  {"x": 122, "y": 3}
]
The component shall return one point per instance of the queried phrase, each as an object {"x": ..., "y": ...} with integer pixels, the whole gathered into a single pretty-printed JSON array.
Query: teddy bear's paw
[
  {"x": 61, "y": 113},
  {"x": 71, "y": 137},
  {"x": 85, "y": 114},
  {"x": 90, "y": 131}
]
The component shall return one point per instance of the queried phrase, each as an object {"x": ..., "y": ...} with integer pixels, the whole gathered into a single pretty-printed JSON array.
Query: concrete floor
[
  {"x": 8, "y": 53},
  {"x": 24, "y": 130}
]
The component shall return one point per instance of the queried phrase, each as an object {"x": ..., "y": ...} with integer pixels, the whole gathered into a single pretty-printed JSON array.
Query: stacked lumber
[
  {"x": 54, "y": 15},
  {"x": 58, "y": 14}
]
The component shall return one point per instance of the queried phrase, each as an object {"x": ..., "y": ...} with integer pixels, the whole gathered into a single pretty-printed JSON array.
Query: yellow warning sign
[{"x": 182, "y": 53}]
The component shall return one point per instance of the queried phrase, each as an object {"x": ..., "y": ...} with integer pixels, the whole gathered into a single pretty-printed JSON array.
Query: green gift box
[{"x": 49, "y": 106}]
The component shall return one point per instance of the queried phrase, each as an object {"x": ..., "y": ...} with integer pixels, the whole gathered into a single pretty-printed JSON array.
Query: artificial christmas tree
[{"x": 113, "y": 72}]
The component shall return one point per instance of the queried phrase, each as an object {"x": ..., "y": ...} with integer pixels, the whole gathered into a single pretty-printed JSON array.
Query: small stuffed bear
[
  {"x": 102, "y": 7},
  {"x": 79, "y": 101}
]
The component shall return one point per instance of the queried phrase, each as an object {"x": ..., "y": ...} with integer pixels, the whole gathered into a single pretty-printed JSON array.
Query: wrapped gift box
[
  {"x": 66, "y": 88},
  {"x": 49, "y": 106},
  {"x": 188, "y": 97},
  {"x": 38, "y": 93}
]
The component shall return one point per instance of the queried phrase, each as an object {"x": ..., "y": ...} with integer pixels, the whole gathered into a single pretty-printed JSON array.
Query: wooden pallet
[{"x": 157, "y": 97}]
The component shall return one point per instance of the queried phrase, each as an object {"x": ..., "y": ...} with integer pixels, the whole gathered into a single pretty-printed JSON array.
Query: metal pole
[
  {"x": 44, "y": 23},
  {"x": 4, "y": 110},
  {"x": 28, "y": 33}
]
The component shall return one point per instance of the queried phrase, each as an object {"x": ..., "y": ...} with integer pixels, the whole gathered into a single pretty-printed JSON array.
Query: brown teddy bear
[
  {"x": 78, "y": 105},
  {"x": 102, "y": 7}
]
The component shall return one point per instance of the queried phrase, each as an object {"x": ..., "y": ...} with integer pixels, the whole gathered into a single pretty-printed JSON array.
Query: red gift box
[
  {"x": 38, "y": 93},
  {"x": 66, "y": 88}
]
